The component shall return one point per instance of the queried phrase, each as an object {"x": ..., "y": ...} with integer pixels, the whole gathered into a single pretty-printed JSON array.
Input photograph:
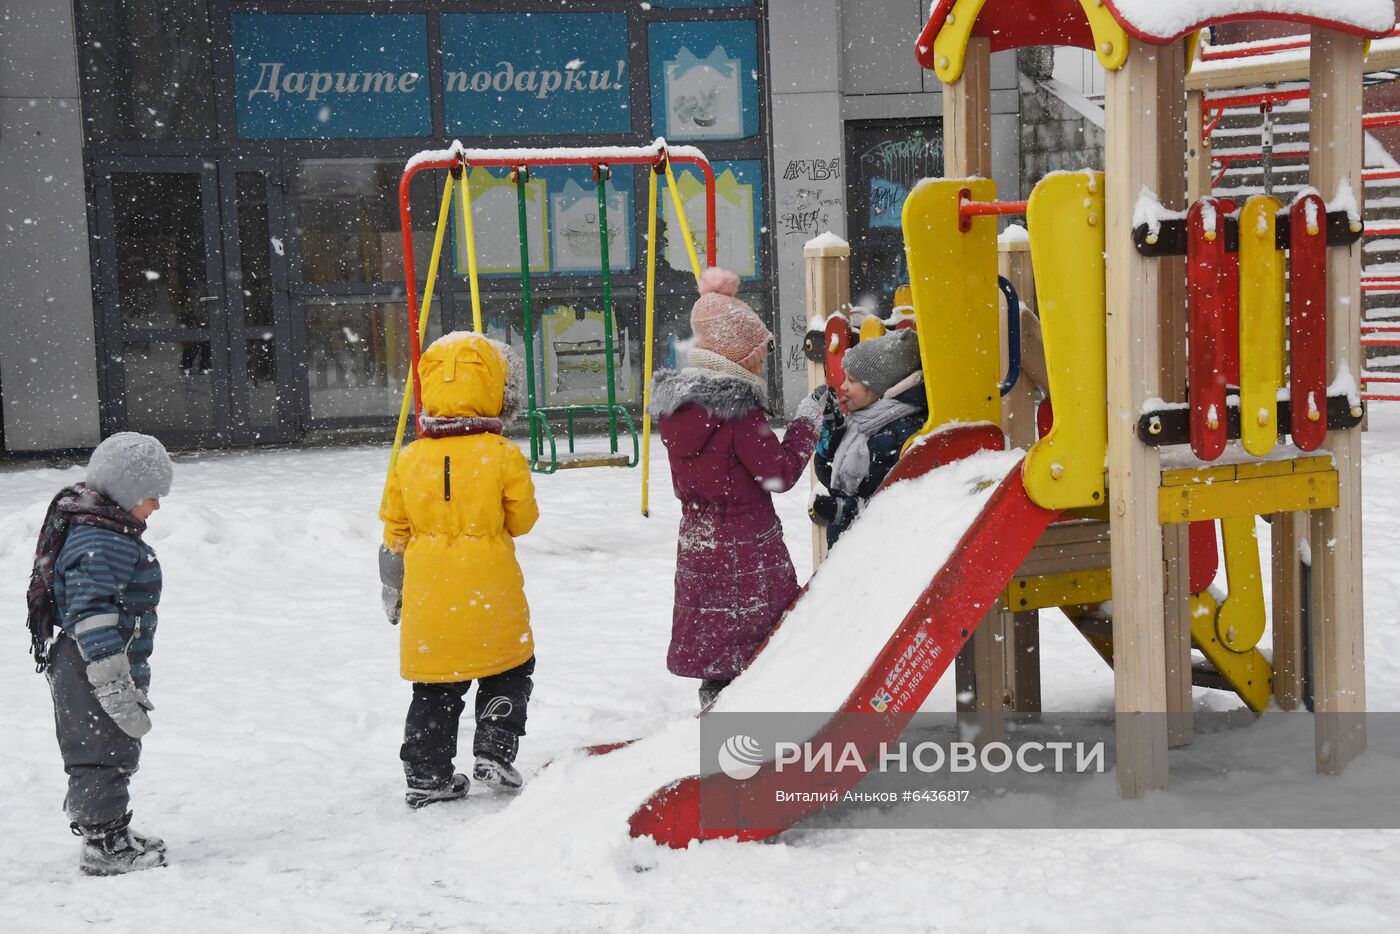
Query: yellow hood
[{"x": 463, "y": 375}]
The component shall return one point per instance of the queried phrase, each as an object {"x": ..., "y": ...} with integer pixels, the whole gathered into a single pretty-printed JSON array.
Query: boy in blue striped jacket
[{"x": 106, "y": 584}]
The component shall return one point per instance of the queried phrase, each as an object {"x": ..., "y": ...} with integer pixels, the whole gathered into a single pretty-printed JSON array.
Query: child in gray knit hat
[
  {"x": 100, "y": 583},
  {"x": 886, "y": 404}
]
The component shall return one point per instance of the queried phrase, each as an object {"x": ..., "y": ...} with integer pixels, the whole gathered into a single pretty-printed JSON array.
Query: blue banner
[
  {"x": 704, "y": 79},
  {"x": 505, "y": 74},
  {"x": 331, "y": 76},
  {"x": 561, "y": 216}
]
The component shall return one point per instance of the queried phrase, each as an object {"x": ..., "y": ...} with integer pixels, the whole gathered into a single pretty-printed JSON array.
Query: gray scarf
[{"x": 851, "y": 462}]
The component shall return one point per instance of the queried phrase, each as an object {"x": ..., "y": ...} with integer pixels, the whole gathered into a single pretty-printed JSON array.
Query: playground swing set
[{"x": 459, "y": 161}]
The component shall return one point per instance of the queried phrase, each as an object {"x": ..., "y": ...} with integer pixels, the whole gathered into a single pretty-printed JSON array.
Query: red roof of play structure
[{"x": 1062, "y": 22}]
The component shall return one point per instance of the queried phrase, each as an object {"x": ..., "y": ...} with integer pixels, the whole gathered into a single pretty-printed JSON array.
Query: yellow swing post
[
  {"x": 680, "y": 219},
  {"x": 651, "y": 307},
  {"x": 646, "y": 347},
  {"x": 464, "y": 207},
  {"x": 422, "y": 330}
]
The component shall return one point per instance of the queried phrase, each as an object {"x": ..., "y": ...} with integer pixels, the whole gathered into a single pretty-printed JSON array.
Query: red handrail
[
  {"x": 460, "y": 158},
  {"x": 968, "y": 209}
]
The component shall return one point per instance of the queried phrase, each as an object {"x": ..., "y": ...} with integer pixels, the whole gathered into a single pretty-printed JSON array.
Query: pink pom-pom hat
[{"x": 724, "y": 324}]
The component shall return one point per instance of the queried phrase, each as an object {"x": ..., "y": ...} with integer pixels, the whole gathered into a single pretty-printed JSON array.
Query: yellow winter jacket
[{"x": 453, "y": 507}]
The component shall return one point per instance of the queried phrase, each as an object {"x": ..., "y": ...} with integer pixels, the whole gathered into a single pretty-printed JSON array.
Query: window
[
  {"x": 357, "y": 356},
  {"x": 147, "y": 69},
  {"x": 349, "y": 219}
]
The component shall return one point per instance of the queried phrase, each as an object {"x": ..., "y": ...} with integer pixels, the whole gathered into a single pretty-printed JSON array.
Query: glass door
[
  {"x": 262, "y": 375},
  {"x": 192, "y": 282}
]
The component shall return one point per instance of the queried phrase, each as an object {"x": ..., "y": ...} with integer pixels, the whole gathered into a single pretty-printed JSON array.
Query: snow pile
[
  {"x": 1150, "y": 211},
  {"x": 1156, "y": 21},
  {"x": 826, "y": 240}
]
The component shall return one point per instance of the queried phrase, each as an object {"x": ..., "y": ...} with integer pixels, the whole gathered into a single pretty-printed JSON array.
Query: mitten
[
  {"x": 823, "y": 509},
  {"x": 119, "y": 696},
  {"x": 391, "y": 579},
  {"x": 814, "y": 407}
]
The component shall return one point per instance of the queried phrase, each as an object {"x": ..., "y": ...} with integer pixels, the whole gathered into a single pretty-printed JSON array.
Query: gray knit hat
[
  {"x": 130, "y": 467},
  {"x": 884, "y": 361}
]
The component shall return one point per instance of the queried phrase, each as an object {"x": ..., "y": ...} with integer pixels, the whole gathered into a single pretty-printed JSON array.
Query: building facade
[{"x": 202, "y": 236}]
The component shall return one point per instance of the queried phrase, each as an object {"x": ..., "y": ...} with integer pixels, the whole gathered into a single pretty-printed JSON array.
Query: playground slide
[{"x": 877, "y": 626}]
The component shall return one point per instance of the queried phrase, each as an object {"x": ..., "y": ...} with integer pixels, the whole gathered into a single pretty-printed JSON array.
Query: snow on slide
[
  {"x": 878, "y": 592},
  {"x": 865, "y": 587}
]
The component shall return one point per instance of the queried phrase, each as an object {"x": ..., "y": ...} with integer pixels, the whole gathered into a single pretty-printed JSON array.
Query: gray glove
[
  {"x": 814, "y": 407},
  {"x": 391, "y": 579},
  {"x": 119, "y": 696}
]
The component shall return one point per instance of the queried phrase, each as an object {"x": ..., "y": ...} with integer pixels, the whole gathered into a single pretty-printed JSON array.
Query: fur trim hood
[{"x": 723, "y": 397}]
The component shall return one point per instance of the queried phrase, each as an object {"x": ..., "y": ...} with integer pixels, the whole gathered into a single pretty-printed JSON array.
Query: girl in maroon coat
[{"x": 734, "y": 578}]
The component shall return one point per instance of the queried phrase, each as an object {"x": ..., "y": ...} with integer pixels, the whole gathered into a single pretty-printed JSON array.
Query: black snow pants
[
  {"x": 430, "y": 731},
  {"x": 98, "y": 757}
]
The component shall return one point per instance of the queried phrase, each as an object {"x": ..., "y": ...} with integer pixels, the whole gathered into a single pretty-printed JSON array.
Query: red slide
[{"x": 919, "y": 648}]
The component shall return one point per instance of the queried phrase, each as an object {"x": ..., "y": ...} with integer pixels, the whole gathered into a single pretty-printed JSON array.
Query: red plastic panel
[
  {"x": 838, "y": 341},
  {"x": 1230, "y": 355},
  {"x": 1044, "y": 418},
  {"x": 1206, "y": 300},
  {"x": 1307, "y": 321},
  {"x": 1205, "y": 557},
  {"x": 1014, "y": 25}
]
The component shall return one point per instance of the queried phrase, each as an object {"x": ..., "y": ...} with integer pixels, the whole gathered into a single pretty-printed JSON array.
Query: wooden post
[
  {"x": 1171, "y": 191},
  {"x": 967, "y": 151},
  {"x": 1289, "y": 530},
  {"x": 1021, "y": 631},
  {"x": 1132, "y": 160},
  {"x": 1198, "y": 151},
  {"x": 828, "y": 267},
  {"x": 1339, "y": 661}
]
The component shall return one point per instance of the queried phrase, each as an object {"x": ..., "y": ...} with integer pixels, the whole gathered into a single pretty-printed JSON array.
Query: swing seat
[
  {"x": 545, "y": 456},
  {"x": 583, "y": 459}
]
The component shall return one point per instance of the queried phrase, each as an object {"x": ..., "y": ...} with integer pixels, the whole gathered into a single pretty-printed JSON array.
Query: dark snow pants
[
  {"x": 710, "y": 688},
  {"x": 430, "y": 731},
  {"x": 98, "y": 757}
]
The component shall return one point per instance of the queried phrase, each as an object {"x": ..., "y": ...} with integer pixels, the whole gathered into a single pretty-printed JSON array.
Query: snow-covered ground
[{"x": 273, "y": 770}]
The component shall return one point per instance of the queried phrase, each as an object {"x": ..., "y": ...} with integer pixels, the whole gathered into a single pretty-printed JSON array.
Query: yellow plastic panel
[
  {"x": 1251, "y": 496},
  {"x": 1073, "y": 588},
  {"x": 903, "y": 298},
  {"x": 1248, "y": 672},
  {"x": 950, "y": 45},
  {"x": 871, "y": 328},
  {"x": 1240, "y": 623},
  {"x": 1064, "y": 469},
  {"x": 953, "y": 277},
  {"x": 1110, "y": 39},
  {"x": 1261, "y": 325},
  {"x": 1193, "y": 49}
]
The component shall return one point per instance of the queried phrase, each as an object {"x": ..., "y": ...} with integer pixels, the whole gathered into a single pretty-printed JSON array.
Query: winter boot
[
  {"x": 422, "y": 793},
  {"x": 147, "y": 842},
  {"x": 499, "y": 775},
  {"x": 111, "y": 849}
]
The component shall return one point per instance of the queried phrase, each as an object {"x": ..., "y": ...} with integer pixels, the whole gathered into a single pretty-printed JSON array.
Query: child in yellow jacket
[{"x": 456, "y": 500}]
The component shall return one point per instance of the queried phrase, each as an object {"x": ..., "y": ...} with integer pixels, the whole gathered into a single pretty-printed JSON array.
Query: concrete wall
[
  {"x": 831, "y": 61},
  {"x": 48, "y": 361},
  {"x": 1056, "y": 136},
  {"x": 809, "y": 193}
]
